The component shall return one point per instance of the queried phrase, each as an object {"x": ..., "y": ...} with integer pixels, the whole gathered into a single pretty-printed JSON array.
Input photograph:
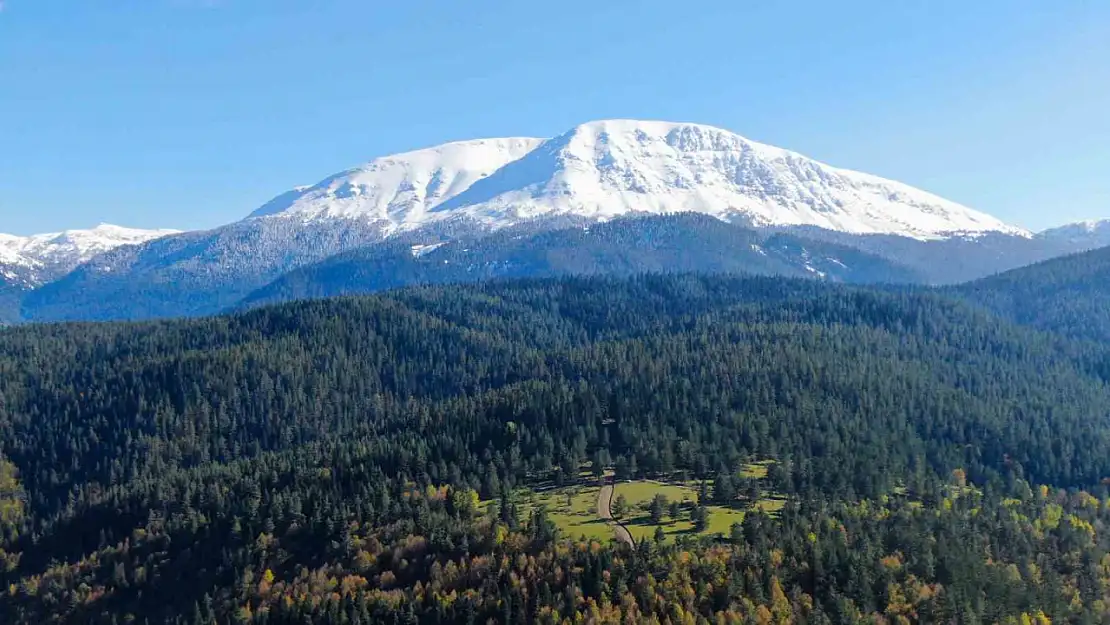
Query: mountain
[
  {"x": 1068, "y": 295},
  {"x": 460, "y": 191},
  {"x": 684, "y": 242},
  {"x": 40, "y": 258},
  {"x": 607, "y": 169},
  {"x": 1085, "y": 235}
]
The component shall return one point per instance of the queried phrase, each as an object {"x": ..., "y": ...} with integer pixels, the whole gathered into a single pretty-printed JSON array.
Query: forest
[
  {"x": 382, "y": 459},
  {"x": 1069, "y": 295}
]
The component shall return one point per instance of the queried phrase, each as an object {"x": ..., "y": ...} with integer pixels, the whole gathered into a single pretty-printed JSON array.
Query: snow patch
[{"x": 421, "y": 250}]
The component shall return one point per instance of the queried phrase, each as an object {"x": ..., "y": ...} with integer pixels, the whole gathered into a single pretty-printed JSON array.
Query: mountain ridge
[
  {"x": 417, "y": 176},
  {"x": 38, "y": 258},
  {"x": 1082, "y": 235}
]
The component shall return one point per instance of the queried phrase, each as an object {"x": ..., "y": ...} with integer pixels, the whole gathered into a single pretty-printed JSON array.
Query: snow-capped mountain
[
  {"x": 596, "y": 172},
  {"x": 36, "y": 259},
  {"x": 1084, "y": 235},
  {"x": 608, "y": 169}
]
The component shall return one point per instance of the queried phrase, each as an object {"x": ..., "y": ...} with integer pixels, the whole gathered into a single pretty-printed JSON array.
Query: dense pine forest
[
  {"x": 1069, "y": 295},
  {"x": 373, "y": 459},
  {"x": 678, "y": 243}
]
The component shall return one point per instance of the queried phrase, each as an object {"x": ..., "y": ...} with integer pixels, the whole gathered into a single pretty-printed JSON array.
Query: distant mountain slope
[
  {"x": 686, "y": 242},
  {"x": 41, "y": 258},
  {"x": 1068, "y": 295},
  {"x": 11, "y": 298},
  {"x": 1084, "y": 235},
  {"x": 192, "y": 273},
  {"x": 952, "y": 260}
]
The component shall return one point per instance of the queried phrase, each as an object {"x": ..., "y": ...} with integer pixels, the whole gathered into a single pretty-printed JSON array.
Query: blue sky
[{"x": 190, "y": 113}]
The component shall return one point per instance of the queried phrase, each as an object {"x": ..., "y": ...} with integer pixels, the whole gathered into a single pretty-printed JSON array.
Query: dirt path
[{"x": 605, "y": 511}]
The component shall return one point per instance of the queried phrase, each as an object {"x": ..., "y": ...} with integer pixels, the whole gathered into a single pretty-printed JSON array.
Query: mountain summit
[{"x": 606, "y": 169}]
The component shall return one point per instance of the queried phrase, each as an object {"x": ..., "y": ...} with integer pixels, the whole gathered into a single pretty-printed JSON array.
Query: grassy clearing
[
  {"x": 772, "y": 504},
  {"x": 638, "y": 521},
  {"x": 572, "y": 509},
  {"x": 721, "y": 520},
  {"x": 640, "y": 493},
  {"x": 643, "y": 491},
  {"x": 756, "y": 470}
]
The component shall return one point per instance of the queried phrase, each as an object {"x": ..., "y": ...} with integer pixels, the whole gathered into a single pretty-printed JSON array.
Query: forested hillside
[
  {"x": 367, "y": 460},
  {"x": 685, "y": 242},
  {"x": 1068, "y": 295},
  {"x": 953, "y": 260},
  {"x": 11, "y": 297}
]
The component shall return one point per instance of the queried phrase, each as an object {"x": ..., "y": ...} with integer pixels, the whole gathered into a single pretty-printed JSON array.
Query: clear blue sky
[{"x": 190, "y": 113}]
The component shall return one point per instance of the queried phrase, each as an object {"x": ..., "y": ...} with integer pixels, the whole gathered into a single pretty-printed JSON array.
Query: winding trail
[{"x": 605, "y": 511}]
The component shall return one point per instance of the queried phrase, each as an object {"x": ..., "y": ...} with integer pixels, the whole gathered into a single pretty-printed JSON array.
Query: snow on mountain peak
[
  {"x": 35, "y": 258},
  {"x": 402, "y": 187},
  {"x": 1083, "y": 235},
  {"x": 1088, "y": 226},
  {"x": 605, "y": 169}
]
